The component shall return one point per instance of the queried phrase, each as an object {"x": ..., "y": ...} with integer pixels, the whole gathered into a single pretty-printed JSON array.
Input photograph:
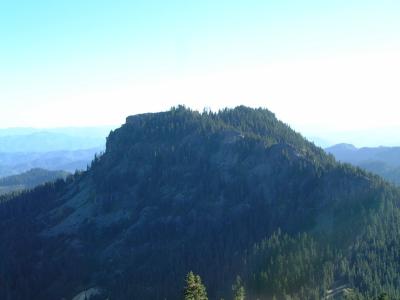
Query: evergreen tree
[
  {"x": 194, "y": 288},
  {"x": 238, "y": 289},
  {"x": 383, "y": 296}
]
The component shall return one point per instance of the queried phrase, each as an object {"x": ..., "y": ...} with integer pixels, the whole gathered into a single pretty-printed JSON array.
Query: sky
[{"x": 321, "y": 66}]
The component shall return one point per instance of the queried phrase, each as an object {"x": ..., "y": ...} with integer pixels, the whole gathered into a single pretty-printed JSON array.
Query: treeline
[{"x": 194, "y": 289}]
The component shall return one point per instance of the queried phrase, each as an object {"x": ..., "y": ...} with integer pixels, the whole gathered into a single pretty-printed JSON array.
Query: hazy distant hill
[
  {"x": 371, "y": 137},
  {"x": 65, "y": 149},
  {"x": 46, "y": 140},
  {"x": 97, "y": 131},
  {"x": 384, "y": 161},
  {"x": 222, "y": 194},
  {"x": 15, "y": 163},
  {"x": 29, "y": 179}
]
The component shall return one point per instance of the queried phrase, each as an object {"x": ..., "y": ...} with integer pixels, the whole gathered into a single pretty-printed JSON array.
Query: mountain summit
[{"x": 223, "y": 194}]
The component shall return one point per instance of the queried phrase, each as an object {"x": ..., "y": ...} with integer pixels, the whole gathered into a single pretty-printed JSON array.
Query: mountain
[
  {"x": 52, "y": 139},
  {"x": 29, "y": 179},
  {"x": 13, "y": 163},
  {"x": 227, "y": 194},
  {"x": 67, "y": 149},
  {"x": 384, "y": 161},
  {"x": 342, "y": 149}
]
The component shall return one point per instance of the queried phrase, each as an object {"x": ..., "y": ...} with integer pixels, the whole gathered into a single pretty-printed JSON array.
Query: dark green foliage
[
  {"x": 22, "y": 247},
  {"x": 383, "y": 296},
  {"x": 179, "y": 191},
  {"x": 374, "y": 260},
  {"x": 282, "y": 265}
]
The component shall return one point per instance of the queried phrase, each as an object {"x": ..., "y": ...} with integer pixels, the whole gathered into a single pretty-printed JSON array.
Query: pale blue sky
[{"x": 319, "y": 65}]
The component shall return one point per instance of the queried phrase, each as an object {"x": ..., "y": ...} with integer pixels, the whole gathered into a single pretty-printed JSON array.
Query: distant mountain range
[
  {"x": 29, "y": 179},
  {"x": 53, "y": 139},
  {"x": 368, "y": 137},
  {"x": 12, "y": 163},
  {"x": 67, "y": 149},
  {"x": 384, "y": 161}
]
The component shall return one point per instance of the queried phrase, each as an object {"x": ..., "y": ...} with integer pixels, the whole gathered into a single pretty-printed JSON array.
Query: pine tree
[
  {"x": 383, "y": 296},
  {"x": 238, "y": 289},
  {"x": 194, "y": 288}
]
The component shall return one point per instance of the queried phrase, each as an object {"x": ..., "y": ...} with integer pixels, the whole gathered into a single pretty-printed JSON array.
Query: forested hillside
[
  {"x": 227, "y": 194},
  {"x": 29, "y": 179}
]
